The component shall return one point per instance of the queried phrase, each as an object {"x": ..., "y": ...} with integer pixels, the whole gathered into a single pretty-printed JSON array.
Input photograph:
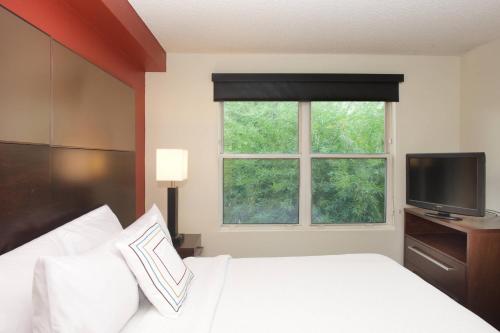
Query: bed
[{"x": 337, "y": 293}]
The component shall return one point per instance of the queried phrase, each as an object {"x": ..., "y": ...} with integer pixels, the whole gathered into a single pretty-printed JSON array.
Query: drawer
[{"x": 442, "y": 271}]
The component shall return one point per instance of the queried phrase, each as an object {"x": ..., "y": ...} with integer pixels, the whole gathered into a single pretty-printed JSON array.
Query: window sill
[{"x": 307, "y": 228}]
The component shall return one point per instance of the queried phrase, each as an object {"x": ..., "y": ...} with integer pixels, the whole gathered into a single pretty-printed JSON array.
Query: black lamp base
[{"x": 172, "y": 200}]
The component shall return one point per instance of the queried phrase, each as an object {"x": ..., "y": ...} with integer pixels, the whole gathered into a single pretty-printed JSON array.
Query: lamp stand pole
[{"x": 172, "y": 201}]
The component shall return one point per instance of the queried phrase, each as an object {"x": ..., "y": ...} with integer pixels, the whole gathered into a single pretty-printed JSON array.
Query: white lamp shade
[{"x": 171, "y": 164}]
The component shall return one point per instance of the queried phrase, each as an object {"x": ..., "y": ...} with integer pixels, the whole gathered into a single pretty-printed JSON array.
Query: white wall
[
  {"x": 180, "y": 113},
  {"x": 480, "y": 112}
]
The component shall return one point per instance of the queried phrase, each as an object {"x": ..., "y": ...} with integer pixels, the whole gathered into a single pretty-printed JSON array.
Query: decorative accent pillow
[
  {"x": 94, "y": 292},
  {"x": 161, "y": 273},
  {"x": 152, "y": 214}
]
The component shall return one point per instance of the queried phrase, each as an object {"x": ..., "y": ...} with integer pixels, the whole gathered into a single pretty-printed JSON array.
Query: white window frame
[{"x": 305, "y": 157}]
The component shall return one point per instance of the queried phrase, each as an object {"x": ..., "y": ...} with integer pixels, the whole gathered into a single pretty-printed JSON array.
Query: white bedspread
[{"x": 341, "y": 293}]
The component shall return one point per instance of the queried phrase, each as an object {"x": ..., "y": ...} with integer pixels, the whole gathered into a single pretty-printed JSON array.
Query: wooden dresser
[{"x": 462, "y": 258}]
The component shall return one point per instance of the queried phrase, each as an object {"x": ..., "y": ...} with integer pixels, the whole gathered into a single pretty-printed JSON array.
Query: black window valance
[{"x": 306, "y": 87}]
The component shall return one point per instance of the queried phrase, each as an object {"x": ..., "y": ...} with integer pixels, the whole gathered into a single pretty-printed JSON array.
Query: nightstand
[{"x": 190, "y": 246}]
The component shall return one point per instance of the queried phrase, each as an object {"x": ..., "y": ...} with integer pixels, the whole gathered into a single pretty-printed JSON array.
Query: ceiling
[{"x": 434, "y": 27}]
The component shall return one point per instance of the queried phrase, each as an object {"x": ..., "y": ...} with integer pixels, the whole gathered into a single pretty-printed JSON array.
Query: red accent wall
[{"x": 111, "y": 35}]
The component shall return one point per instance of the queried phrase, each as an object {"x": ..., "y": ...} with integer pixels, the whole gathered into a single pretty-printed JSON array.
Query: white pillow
[
  {"x": 94, "y": 292},
  {"x": 88, "y": 231},
  {"x": 16, "y": 266},
  {"x": 161, "y": 273}
]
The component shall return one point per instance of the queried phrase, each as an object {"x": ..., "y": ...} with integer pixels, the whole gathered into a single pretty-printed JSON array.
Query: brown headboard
[
  {"x": 43, "y": 187},
  {"x": 67, "y": 136}
]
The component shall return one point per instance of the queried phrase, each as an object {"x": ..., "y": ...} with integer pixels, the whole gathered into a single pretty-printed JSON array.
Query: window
[
  {"x": 309, "y": 163},
  {"x": 261, "y": 163},
  {"x": 348, "y": 173}
]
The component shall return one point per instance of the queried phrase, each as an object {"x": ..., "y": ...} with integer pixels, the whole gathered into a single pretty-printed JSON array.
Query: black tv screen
[{"x": 449, "y": 183}]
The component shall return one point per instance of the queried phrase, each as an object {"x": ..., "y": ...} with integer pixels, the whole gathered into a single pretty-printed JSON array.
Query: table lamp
[{"x": 172, "y": 167}]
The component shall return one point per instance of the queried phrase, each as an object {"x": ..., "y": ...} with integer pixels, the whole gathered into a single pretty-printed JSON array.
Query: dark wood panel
[
  {"x": 450, "y": 244},
  {"x": 449, "y": 241},
  {"x": 415, "y": 225},
  {"x": 484, "y": 275},
  {"x": 24, "y": 193},
  {"x": 436, "y": 267},
  {"x": 42, "y": 188},
  {"x": 95, "y": 177}
]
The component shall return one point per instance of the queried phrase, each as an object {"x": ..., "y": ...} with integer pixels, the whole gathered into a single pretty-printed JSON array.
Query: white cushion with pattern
[{"x": 160, "y": 272}]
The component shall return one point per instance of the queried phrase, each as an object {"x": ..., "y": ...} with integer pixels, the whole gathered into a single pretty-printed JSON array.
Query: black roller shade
[{"x": 306, "y": 87}]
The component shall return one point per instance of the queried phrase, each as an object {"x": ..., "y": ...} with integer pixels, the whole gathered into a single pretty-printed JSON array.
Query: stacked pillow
[
  {"x": 16, "y": 266},
  {"x": 93, "y": 292},
  {"x": 97, "y": 291}
]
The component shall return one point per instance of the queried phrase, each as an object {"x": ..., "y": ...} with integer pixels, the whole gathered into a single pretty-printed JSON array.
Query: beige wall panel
[
  {"x": 181, "y": 113},
  {"x": 89, "y": 100},
  {"x": 24, "y": 81},
  {"x": 480, "y": 112}
]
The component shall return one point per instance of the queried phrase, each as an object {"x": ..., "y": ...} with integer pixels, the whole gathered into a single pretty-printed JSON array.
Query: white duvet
[{"x": 341, "y": 293}]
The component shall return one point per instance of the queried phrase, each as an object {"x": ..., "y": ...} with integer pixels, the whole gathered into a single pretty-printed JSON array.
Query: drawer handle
[{"x": 431, "y": 259}]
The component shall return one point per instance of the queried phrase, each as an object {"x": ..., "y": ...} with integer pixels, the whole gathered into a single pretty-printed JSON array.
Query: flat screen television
[{"x": 447, "y": 183}]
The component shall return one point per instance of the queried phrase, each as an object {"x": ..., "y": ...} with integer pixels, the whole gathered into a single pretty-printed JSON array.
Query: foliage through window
[
  {"x": 261, "y": 191},
  {"x": 328, "y": 158},
  {"x": 260, "y": 127}
]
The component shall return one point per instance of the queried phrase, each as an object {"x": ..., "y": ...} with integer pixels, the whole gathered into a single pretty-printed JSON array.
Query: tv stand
[
  {"x": 461, "y": 258},
  {"x": 443, "y": 216}
]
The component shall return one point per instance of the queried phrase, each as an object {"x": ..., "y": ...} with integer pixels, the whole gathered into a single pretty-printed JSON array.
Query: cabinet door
[
  {"x": 24, "y": 81},
  {"x": 92, "y": 109}
]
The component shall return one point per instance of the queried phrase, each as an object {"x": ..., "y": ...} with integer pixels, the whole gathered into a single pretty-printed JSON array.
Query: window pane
[
  {"x": 348, "y": 127},
  {"x": 348, "y": 190},
  {"x": 260, "y": 127},
  {"x": 261, "y": 191}
]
